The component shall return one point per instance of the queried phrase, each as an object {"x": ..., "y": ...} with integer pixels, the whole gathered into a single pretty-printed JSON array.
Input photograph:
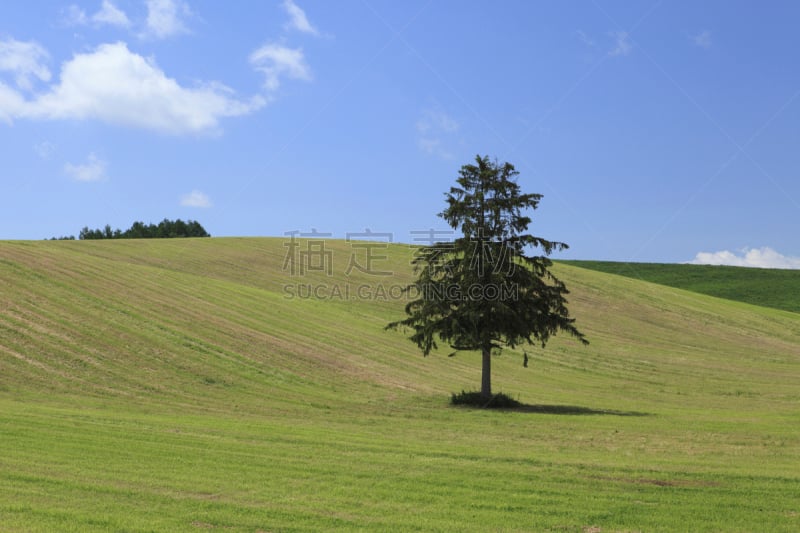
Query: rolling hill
[
  {"x": 779, "y": 289},
  {"x": 194, "y": 384}
]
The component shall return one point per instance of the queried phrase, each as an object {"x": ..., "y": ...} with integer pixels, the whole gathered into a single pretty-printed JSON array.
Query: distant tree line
[{"x": 166, "y": 229}]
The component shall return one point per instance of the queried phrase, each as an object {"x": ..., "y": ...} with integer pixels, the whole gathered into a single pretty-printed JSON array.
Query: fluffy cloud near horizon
[
  {"x": 93, "y": 170},
  {"x": 117, "y": 86},
  {"x": 196, "y": 199},
  {"x": 750, "y": 257}
]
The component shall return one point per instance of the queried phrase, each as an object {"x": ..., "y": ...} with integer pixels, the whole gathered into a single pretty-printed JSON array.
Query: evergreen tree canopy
[
  {"x": 481, "y": 291},
  {"x": 166, "y": 229}
]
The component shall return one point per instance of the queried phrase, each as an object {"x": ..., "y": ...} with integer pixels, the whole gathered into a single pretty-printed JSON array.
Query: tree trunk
[{"x": 486, "y": 375}]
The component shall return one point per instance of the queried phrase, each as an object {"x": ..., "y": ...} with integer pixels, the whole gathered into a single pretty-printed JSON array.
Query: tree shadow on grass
[
  {"x": 543, "y": 409},
  {"x": 504, "y": 402},
  {"x": 570, "y": 410}
]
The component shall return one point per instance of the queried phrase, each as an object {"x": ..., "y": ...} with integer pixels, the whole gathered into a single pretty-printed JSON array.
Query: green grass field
[
  {"x": 174, "y": 385},
  {"x": 775, "y": 288}
]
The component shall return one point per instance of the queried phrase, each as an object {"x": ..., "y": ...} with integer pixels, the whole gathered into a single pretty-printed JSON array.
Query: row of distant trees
[{"x": 166, "y": 229}]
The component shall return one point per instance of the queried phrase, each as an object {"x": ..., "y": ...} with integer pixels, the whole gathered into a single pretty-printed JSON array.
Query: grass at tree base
[{"x": 475, "y": 399}]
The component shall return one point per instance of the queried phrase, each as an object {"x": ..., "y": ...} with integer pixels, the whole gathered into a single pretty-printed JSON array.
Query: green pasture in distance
[{"x": 776, "y": 288}]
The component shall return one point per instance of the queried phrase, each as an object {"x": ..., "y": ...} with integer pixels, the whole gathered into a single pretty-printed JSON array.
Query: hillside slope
[
  {"x": 776, "y": 288},
  {"x": 216, "y": 369},
  {"x": 138, "y": 318}
]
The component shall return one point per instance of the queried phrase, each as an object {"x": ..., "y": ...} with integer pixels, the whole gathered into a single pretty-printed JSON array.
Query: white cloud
[
  {"x": 108, "y": 14},
  {"x": 111, "y": 15},
  {"x": 702, "y": 39},
  {"x": 435, "y": 130},
  {"x": 117, "y": 86},
  {"x": 297, "y": 19},
  {"x": 11, "y": 103},
  {"x": 24, "y": 60},
  {"x": 276, "y": 61},
  {"x": 196, "y": 199},
  {"x": 749, "y": 257},
  {"x": 93, "y": 170},
  {"x": 622, "y": 44},
  {"x": 165, "y": 18}
]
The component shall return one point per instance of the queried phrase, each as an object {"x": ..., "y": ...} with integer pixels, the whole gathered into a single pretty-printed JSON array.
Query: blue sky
[{"x": 657, "y": 131}]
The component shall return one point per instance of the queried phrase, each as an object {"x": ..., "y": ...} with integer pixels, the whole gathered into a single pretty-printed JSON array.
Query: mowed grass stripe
[{"x": 368, "y": 476}]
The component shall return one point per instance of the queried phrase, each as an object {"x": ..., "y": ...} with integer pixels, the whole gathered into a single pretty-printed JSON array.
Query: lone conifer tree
[{"x": 481, "y": 291}]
